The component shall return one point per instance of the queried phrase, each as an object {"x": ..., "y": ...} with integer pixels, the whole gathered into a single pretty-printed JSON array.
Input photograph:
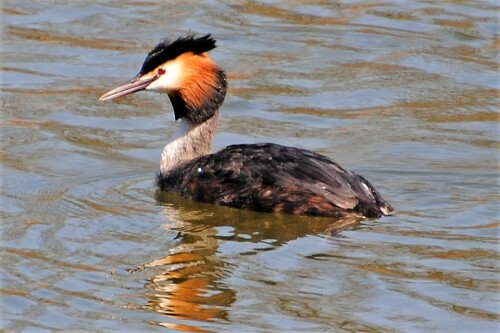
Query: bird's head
[{"x": 182, "y": 69}]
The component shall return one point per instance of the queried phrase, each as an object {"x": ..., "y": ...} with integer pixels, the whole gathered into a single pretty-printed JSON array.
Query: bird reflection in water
[
  {"x": 188, "y": 291},
  {"x": 190, "y": 288}
]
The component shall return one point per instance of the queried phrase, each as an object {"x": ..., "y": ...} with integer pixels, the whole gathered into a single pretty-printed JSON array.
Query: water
[{"x": 405, "y": 94}]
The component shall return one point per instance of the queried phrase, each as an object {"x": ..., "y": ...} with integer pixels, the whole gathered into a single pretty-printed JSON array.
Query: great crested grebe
[{"x": 264, "y": 177}]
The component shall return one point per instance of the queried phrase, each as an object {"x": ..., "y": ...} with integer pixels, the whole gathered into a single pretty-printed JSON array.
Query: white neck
[{"x": 188, "y": 142}]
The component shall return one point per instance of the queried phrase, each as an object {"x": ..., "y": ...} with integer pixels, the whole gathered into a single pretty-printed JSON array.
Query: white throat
[{"x": 188, "y": 142}]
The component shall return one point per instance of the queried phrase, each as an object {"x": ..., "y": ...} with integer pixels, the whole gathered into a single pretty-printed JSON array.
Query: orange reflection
[
  {"x": 186, "y": 287},
  {"x": 187, "y": 291}
]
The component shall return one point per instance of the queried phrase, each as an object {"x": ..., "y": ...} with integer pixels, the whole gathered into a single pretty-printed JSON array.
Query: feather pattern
[{"x": 274, "y": 178}]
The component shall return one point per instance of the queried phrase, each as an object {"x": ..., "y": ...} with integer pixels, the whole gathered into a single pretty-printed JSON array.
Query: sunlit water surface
[{"x": 405, "y": 94}]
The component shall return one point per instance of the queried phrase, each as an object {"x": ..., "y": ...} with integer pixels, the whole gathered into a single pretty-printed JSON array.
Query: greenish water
[{"x": 404, "y": 93}]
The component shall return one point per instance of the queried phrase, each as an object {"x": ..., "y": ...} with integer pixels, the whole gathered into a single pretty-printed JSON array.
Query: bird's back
[{"x": 274, "y": 178}]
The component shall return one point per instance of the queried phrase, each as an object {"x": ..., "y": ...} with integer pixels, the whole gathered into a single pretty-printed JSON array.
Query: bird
[{"x": 265, "y": 177}]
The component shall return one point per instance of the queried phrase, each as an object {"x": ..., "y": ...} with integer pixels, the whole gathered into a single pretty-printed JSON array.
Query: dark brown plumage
[{"x": 273, "y": 178}]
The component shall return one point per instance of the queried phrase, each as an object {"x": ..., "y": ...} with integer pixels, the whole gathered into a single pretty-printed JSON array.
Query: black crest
[{"x": 169, "y": 50}]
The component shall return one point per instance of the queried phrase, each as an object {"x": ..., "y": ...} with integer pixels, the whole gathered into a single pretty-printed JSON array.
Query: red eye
[{"x": 161, "y": 71}]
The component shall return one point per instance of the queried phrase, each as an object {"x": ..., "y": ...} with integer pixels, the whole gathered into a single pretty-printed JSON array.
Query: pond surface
[{"x": 405, "y": 94}]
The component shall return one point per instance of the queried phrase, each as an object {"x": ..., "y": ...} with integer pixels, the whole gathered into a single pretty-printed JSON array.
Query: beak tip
[{"x": 128, "y": 88}]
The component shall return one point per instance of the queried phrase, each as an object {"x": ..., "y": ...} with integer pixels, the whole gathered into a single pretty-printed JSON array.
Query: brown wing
[{"x": 274, "y": 178}]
